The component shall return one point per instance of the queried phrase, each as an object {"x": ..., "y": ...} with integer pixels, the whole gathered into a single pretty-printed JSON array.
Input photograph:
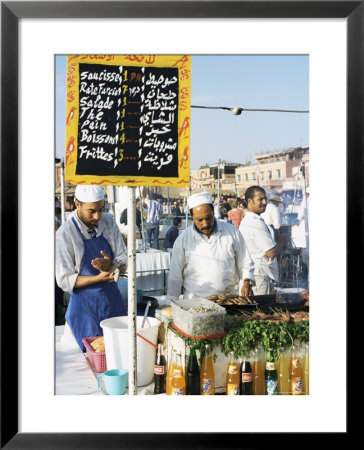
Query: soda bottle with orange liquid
[
  {"x": 283, "y": 372},
  {"x": 170, "y": 371},
  {"x": 306, "y": 371},
  {"x": 295, "y": 372},
  {"x": 257, "y": 363},
  {"x": 178, "y": 384},
  {"x": 207, "y": 374},
  {"x": 232, "y": 376}
]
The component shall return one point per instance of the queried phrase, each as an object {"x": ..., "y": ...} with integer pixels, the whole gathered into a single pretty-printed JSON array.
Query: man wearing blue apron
[{"x": 89, "y": 248}]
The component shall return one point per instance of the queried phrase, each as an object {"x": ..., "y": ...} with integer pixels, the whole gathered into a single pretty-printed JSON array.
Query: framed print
[{"x": 22, "y": 221}]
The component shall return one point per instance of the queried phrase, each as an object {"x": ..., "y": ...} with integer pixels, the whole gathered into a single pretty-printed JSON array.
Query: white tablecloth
[
  {"x": 74, "y": 375},
  {"x": 155, "y": 282}
]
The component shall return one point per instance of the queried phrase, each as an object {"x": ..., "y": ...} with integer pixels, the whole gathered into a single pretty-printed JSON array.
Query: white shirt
[
  {"x": 205, "y": 266},
  {"x": 69, "y": 247},
  {"x": 259, "y": 240},
  {"x": 271, "y": 216},
  {"x": 303, "y": 209}
]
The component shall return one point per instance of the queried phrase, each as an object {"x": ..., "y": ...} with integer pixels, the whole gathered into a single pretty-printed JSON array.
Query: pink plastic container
[{"x": 97, "y": 359}]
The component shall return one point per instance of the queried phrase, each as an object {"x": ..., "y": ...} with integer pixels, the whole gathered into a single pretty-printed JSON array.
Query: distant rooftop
[
  {"x": 222, "y": 162},
  {"x": 280, "y": 152}
]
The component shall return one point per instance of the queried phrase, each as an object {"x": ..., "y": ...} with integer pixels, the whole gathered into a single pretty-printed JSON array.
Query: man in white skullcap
[
  {"x": 210, "y": 257},
  {"x": 89, "y": 249}
]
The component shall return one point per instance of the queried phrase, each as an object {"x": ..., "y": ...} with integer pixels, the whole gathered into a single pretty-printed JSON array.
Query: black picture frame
[{"x": 11, "y": 13}]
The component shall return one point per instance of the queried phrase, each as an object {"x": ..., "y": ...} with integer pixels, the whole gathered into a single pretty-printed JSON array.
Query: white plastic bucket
[{"x": 116, "y": 338}]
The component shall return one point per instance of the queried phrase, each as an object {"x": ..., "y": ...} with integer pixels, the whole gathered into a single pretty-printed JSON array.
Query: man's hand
[
  {"x": 246, "y": 289},
  {"x": 102, "y": 264},
  {"x": 105, "y": 276}
]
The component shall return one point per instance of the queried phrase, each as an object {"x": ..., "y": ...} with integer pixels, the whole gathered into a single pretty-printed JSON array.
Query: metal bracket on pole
[{"x": 132, "y": 304}]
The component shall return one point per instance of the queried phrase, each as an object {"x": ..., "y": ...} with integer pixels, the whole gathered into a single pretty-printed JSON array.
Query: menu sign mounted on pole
[{"x": 128, "y": 120}]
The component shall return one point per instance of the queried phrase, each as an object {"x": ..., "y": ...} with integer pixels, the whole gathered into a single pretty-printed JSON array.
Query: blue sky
[{"x": 246, "y": 81}]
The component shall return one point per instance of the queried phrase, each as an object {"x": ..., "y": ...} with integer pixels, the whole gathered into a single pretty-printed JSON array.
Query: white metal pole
[
  {"x": 132, "y": 308},
  {"x": 218, "y": 184},
  {"x": 114, "y": 192},
  {"x": 141, "y": 213},
  {"x": 188, "y": 191},
  {"x": 63, "y": 203}
]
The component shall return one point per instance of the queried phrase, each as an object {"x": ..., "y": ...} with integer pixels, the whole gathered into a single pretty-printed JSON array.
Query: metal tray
[{"x": 259, "y": 300}]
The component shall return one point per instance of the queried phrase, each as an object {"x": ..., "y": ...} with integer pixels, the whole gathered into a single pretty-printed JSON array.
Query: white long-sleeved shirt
[
  {"x": 259, "y": 240},
  {"x": 205, "y": 266},
  {"x": 69, "y": 247},
  {"x": 272, "y": 216}
]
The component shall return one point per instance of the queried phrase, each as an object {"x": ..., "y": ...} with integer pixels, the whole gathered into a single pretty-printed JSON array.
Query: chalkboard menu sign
[{"x": 128, "y": 120}]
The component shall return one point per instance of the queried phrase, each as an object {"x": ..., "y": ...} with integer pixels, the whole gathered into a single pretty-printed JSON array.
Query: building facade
[{"x": 273, "y": 171}]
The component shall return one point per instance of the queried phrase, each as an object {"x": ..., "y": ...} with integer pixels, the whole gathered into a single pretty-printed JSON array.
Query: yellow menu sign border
[{"x": 183, "y": 63}]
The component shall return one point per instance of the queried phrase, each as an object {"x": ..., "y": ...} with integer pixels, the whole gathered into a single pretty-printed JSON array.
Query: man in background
[
  {"x": 303, "y": 217},
  {"x": 172, "y": 234},
  {"x": 124, "y": 221},
  {"x": 272, "y": 215},
  {"x": 262, "y": 247},
  {"x": 154, "y": 212}
]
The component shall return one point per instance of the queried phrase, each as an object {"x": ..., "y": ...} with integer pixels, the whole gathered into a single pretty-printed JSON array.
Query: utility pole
[{"x": 218, "y": 183}]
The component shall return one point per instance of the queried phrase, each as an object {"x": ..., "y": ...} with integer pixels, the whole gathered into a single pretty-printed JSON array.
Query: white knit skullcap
[
  {"x": 199, "y": 199},
  {"x": 89, "y": 194}
]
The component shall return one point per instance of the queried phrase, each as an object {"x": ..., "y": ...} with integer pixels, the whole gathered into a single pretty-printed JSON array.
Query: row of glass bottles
[
  {"x": 196, "y": 381},
  {"x": 261, "y": 375}
]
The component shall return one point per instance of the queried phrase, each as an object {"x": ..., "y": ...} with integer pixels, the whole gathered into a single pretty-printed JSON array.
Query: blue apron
[{"x": 90, "y": 305}]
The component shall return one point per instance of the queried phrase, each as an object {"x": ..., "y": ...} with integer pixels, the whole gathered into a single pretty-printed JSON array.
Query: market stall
[
  {"x": 245, "y": 330},
  {"x": 268, "y": 329}
]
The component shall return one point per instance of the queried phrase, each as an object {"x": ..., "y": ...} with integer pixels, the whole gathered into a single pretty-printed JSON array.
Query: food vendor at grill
[
  {"x": 209, "y": 257},
  {"x": 89, "y": 248}
]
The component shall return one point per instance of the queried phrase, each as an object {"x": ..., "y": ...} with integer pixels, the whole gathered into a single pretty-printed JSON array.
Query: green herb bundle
[{"x": 243, "y": 336}]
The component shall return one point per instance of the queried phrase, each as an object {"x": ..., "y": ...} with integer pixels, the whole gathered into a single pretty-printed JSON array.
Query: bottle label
[
  {"x": 177, "y": 373},
  {"x": 177, "y": 391},
  {"x": 272, "y": 387},
  {"x": 296, "y": 385},
  {"x": 232, "y": 389},
  {"x": 159, "y": 370},
  {"x": 270, "y": 365},
  {"x": 246, "y": 377},
  {"x": 206, "y": 386},
  {"x": 296, "y": 363},
  {"x": 232, "y": 369}
]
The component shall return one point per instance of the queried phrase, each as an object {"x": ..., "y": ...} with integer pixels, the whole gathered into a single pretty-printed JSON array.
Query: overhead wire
[{"x": 237, "y": 111}]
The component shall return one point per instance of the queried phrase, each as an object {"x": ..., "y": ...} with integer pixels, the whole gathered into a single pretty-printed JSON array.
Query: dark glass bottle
[
  {"x": 271, "y": 376},
  {"x": 193, "y": 374},
  {"x": 160, "y": 372},
  {"x": 246, "y": 378}
]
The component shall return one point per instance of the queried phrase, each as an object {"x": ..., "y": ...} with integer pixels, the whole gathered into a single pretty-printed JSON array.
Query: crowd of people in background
[{"x": 155, "y": 207}]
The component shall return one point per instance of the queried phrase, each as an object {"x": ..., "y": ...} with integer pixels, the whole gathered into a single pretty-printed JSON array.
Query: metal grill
[{"x": 267, "y": 308}]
